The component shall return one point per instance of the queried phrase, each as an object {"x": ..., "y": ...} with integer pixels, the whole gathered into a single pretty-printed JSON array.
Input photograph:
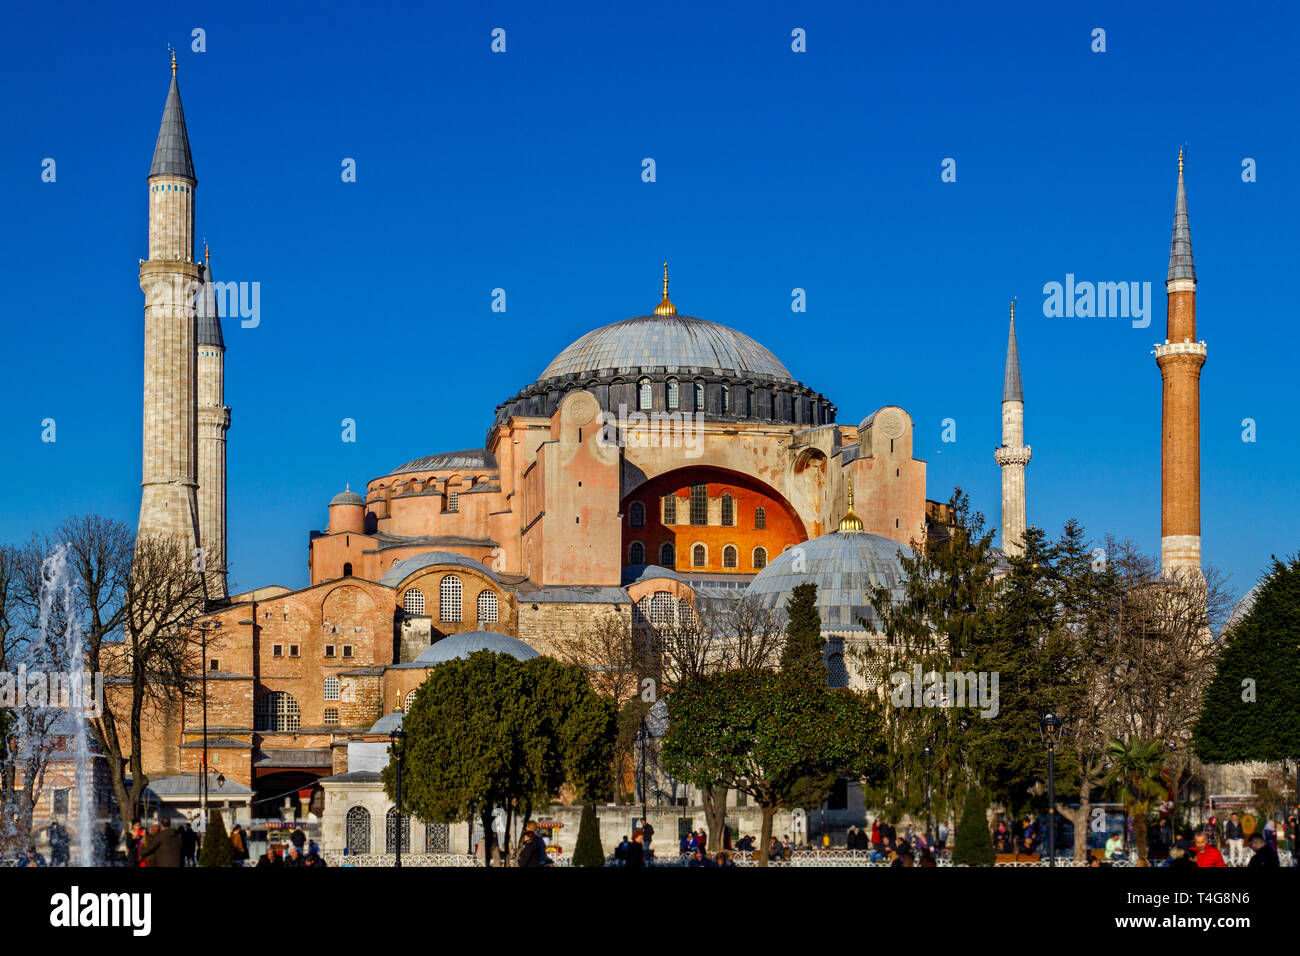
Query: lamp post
[
  {"x": 927, "y": 761},
  {"x": 1049, "y": 727},
  {"x": 204, "y": 627},
  {"x": 396, "y": 739}
]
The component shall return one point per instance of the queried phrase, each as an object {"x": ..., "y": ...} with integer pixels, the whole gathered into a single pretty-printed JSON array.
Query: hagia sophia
[{"x": 655, "y": 460}]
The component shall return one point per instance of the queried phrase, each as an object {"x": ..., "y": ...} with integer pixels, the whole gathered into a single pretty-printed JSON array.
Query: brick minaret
[
  {"x": 1014, "y": 454},
  {"x": 213, "y": 422},
  {"x": 1180, "y": 359},
  {"x": 170, "y": 281}
]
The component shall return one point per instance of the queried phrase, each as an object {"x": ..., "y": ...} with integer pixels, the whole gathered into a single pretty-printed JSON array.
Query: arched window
[
  {"x": 488, "y": 608},
  {"x": 730, "y": 557},
  {"x": 726, "y": 399},
  {"x": 636, "y": 515},
  {"x": 685, "y": 613},
  {"x": 728, "y": 511},
  {"x": 670, "y": 509},
  {"x": 760, "y": 518},
  {"x": 699, "y": 556},
  {"x": 449, "y": 600},
  {"x": 413, "y": 601},
  {"x": 644, "y": 398},
  {"x": 667, "y": 555},
  {"x": 390, "y": 832},
  {"x": 437, "y": 838},
  {"x": 636, "y": 553},
  {"x": 699, "y": 504},
  {"x": 347, "y": 569},
  {"x": 699, "y": 396},
  {"x": 671, "y": 393},
  {"x": 331, "y": 717},
  {"x": 331, "y": 691},
  {"x": 410, "y": 699},
  {"x": 277, "y": 710},
  {"x": 358, "y": 831},
  {"x": 760, "y": 559},
  {"x": 661, "y": 608}
]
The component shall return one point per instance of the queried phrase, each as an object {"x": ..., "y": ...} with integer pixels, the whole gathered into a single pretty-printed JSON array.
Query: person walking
[
  {"x": 530, "y": 850},
  {"x": 239, "y": 845},
  {"x": 189, "y": 845},
  {"x": 634, "y": 855},
  {"x": 1235, "y": 837},
  {"x": 163, "y": 849}
]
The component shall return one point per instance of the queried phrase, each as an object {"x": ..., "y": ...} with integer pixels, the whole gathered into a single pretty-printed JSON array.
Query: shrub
[
  {"x": 974, "y": 844},
  {"x": 588, "y": 851}
]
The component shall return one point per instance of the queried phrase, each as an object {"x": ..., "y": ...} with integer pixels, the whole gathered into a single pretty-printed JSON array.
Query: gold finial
[
  {"x": 397, "y": 702},
  {"x": 173, "y": 52},
  {"x": 665, "y": 307},
  {"x": 1013, "y": 308},
  {"x": 850, "y": 523},
  {"x": 1180, "y": 160},
  {"x": 205, "y": 251}
]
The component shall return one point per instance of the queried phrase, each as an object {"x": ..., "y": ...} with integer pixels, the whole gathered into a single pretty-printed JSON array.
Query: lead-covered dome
[
  {"x": 667, "y": 341},
  {"x": 844, "y": 566}
]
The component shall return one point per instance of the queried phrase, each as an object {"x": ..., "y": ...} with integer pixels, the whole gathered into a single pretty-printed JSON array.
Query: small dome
[
  {"x": 388, "y": 723},
  {"x": 460, "y": 646},
  {"x": 844, "y": 567},
  {"x": 348, "y": 497}
]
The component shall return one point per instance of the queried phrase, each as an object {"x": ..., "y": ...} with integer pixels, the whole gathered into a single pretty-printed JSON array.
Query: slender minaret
[
  {"x": 170, "y": 280},
  {"x": 1180, "y": 359},
  {"x": 213, "y": 422},
  {"x": 1014, "y": 454}
]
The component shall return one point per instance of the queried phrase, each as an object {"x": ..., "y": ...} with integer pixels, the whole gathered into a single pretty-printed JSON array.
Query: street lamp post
[
  {"x": 1049, "y": 727},
  {"x": 927, "y": 761},
  {"x": 396, "y": 738},
  {"x": 204, "y": 627}
]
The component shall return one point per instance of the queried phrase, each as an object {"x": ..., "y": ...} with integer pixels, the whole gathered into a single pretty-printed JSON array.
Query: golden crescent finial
[
  {"x": 173, "y": 52},
  {"x": 205, "y": 251},
  {"x": 1180, "y": 160},
  {"x": 665, "y": 307}
]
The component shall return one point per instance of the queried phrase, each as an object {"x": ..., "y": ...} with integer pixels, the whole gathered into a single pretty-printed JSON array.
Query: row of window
[
  {"x": 636, "y": 554},
  {"x": 451, "y": 602},
  {"x": 699, "y": 510},
  {"x": 672, "y": 397},
  {"x": 279, "y": 711},
  {"x": 437, "y": 836},
  {"x": 295, "y": 650},
  {"x": 169, "y": 187}
]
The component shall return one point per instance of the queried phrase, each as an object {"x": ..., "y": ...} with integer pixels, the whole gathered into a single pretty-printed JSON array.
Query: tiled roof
[
  {"x": 668, "y": 341},
  {"x": 407, "y": 566},
  {"x": 171, "y": 156},
  {"x": 469, "y": 458}
]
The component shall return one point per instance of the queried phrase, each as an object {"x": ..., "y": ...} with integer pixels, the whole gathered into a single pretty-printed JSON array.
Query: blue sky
[{"x": 775, "y": 170}]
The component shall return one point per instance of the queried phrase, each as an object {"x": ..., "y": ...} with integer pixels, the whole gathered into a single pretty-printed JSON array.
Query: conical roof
[
  {"x": 209, "y": 321},
  {"x": 1012, "y": 390},
  {"x": 1180, "y": 247},
  {"x": 171, "y": 157}
]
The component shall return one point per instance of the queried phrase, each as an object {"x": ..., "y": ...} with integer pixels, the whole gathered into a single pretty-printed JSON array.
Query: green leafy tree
[
  {"x": 1249, "y": 711},
  {"x": 973, "y": 844},
  {"x": 588, "y": 851},
  {"x": 1137, "y": 777},
  {"x": 804, "y": 645},
  {"x": 216, "y": 849},
  {"x": 766, "y": 733},
  {"x": 491, "y": 731}
]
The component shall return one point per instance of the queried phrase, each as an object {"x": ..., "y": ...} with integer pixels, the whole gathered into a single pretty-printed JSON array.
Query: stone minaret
[
  {"x": 170, "y": 280},
  {"x": 1180, "y": 359},
  {"x": 1014, "y": 454},
  {"x": 213, "y": 422}
]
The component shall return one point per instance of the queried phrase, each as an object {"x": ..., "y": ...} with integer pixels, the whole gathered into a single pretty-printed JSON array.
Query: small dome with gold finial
[
  {"x": 850, "y": 523},
  {"x": 665, "y": 307}
]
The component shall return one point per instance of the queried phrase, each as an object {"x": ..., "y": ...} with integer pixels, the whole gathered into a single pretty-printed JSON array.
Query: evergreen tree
[
  {"x": 1249, "y": 711},
  {"x": 804, "y": 645},
  {"x": 216, "y": 850},
  {"x": 588, "y": 851},
  {"x": 974, "y": 844}
]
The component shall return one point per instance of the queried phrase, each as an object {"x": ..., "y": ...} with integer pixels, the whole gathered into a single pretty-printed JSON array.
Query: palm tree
[{"x": 1137, "y": 775}]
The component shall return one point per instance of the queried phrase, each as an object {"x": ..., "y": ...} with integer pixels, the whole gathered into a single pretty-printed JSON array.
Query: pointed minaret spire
[
  {"x": 1014, "y": 454},
  {"x": 1180, "y": 247},
  {"x": 171, "y": 156},
  {"x": 1012, "y": 391}
]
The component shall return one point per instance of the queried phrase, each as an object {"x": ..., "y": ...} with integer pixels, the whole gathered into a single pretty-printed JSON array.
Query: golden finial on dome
[
  {"x": 850, "y": 523},
  {"x": 665, "y": 307}
]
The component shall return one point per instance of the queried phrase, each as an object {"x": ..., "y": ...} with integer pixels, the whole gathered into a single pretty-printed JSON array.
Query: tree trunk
[
  {"x": 1140, "y": 835},
  {"x": 715, "y": 815},
  {"x": 765, "y": 838}
]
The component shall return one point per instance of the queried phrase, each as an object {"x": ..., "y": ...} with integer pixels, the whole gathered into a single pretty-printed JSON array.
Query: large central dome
[{"x": 666, "y": 341}]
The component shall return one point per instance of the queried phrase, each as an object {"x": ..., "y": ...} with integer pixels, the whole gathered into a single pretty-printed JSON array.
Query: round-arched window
[
  {"x": 760, "y": 559},
  {"x": 413, "y": 601},
  {"x": 699, "y": 556},
  {"x": 450, "y": 600},
  {"x": 488, "y": 607},
  {"x": 636, "y": 553},
  {"x": 668, "y": 555},
  {"x": 729, "y": 556}
]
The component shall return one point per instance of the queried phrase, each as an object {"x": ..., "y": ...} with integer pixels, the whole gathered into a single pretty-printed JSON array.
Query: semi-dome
[
  {"x": 845, "y": 566},
  {"x": 666, "y": 341},
  {"x": 464, "y": 644}
]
